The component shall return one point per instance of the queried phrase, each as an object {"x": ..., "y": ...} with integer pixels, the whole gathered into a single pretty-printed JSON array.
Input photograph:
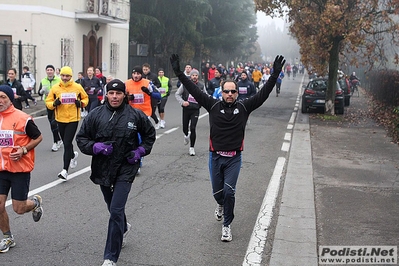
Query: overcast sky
[{"x": 263, "y": 20}]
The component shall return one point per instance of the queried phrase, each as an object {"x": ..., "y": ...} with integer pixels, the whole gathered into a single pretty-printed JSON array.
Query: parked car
[
  {"x": 347, "y": 90},
  {"x": 314, "y": 96}
]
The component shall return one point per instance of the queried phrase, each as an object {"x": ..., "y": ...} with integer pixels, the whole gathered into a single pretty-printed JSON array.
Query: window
[
  {"x": 114, "y": 58},
  {"x": 67, "y": 52}
]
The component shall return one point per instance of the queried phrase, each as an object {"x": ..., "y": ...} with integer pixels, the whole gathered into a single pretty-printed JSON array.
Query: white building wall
[{"x": 31, "y": 22}]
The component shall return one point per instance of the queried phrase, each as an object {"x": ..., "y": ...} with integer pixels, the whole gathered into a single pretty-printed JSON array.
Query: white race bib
[
  {"x": 6, "y": 138},
  {"x": 68, "y": 98},
  {"x": 242, "y": 90}
]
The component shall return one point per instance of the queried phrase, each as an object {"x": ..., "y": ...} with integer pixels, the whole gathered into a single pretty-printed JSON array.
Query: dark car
[
  {"x": 347, "y": 90},
  {"x": 314, "y": 96}
]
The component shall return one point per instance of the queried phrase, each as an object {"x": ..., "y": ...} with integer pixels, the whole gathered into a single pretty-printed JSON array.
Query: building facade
[{"x": 79, "y": 33}]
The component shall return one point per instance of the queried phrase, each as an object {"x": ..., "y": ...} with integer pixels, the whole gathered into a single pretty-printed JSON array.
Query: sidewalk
[
  {"x": 38, "y": 110},
  {"x": 341, "y": 187}
]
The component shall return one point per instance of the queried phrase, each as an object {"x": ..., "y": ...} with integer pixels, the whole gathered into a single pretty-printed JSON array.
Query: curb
[{"x": 295, "y": 240}]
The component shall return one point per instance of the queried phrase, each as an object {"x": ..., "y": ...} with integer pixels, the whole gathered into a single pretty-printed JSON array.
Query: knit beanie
[
  {"x": 194, "y": 72},
  {"x": 116, "y": 85},
  {"x": 8, "y": 91},
  {"x": 66, "y": 70},
  {"x": 138, "y": 69}
]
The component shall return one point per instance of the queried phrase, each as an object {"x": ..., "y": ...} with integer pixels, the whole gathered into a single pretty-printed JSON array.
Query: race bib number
[
  {"x": 68, "y": 98},
  {"x": 242, "y": 90},
  {"x": 138, "y": 98},
  {"x": 162, "y": 90},
  {"x": 227, "y": 153},
  {"x": 14, "y": 90},
  {"x": 191, "y": 99},
  {"x": 6, "y": 138}
]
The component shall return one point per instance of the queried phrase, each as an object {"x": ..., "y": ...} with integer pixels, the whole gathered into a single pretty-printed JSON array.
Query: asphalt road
[{"x": 170, "y": 206}]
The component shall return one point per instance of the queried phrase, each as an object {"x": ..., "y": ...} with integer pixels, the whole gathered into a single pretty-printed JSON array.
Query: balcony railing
[{"x": 105, "y": 10}]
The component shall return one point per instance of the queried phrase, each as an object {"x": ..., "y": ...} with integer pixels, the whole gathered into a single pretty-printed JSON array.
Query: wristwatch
[{"x": 24, "y": 150}]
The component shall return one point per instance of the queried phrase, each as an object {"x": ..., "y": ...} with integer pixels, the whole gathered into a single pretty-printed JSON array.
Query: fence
[{"x": 17, "y": 55}]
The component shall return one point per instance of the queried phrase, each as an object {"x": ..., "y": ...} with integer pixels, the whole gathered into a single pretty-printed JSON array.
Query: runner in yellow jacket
[{"x": 67, "y": 98}]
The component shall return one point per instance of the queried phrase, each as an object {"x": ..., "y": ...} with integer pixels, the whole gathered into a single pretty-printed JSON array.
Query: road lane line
[
  {"x": 84, "y": 170},
  {"x": 54, "y": 183},
  {"x": 257, "y": 242}
]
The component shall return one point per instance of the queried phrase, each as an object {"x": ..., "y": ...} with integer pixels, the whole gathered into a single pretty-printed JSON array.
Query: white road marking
[
  {"x": 262, "y": 225},
  {"x": 259, "y": 235}
]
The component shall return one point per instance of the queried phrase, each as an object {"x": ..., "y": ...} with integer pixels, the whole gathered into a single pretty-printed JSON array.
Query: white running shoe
[
  {"x": 63, "y": 175},
  {"x": 162, "y": 125},
  {"x": 219, "y": 212},
  {"x": 187, "y": 139},
  {"x": 55, "y": 147},
  {"x": 226, "y": 234},
  {"x": 124, "y": 241},
  {"x": 191, "y": 151},
  {"x": 74, "y": 160},
  {"x": 6, "y": 243},
  {"x": 59, "y": 143},
  {"x": 156, "y": 126},
  {"x": 109, "y": 263}
]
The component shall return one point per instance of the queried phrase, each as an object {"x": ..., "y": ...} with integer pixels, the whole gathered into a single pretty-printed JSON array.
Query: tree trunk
[{"x": 332, "y": 77}]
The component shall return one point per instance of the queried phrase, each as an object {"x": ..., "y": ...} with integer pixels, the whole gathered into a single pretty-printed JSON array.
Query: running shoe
[
  {"x": 37, "y": 212},
  {"x": 109, "y": 263},
  {"x": 191, "y": 151},
  {"x": 162, "y": 125},
  {"x": 187, "y": 139},
  {"x": 124, "y": 241},
  {"x": 63, "y": 175},
  {"x": 219, "y": 212},
  {"x": 6, "y": 243},
  {"x": 74, "y": 160},
  {"x": 226, "y": 234},
  {"x": 55, "y": 147},
  {"x": 59, "y": 143}
]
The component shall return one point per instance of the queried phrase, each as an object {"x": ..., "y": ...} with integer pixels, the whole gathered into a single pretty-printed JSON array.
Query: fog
[{"x": 274, "y": 39}]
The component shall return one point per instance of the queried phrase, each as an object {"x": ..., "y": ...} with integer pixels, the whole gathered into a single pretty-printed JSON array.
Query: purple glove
[
  {"x": 135, "y": 155},
  {"x": 103, "y": 148}
]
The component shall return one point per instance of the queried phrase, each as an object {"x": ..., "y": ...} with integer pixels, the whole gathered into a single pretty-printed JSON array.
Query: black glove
[
  {"x": 56, "y": 102},
  {"x": 146, "y": 90},
  {"x": 131, "y": 97},
  {"x": 278, "y": 65},
  {"x": 174, "y": 60},
  {"x": 78, "y": 103}
]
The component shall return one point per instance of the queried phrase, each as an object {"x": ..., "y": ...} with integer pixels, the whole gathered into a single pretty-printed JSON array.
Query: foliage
[
  {"x": 211, "y": 29},
  {"x": 329, "y": 29},
  {"x": 384, "y": 93}
]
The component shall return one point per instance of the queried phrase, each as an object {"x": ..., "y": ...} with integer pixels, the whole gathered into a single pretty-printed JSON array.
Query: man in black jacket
[
  {"x": 110, "y": 135},
  {"x": 227, "y": 119},
  {"x": 215, "y": 82}
]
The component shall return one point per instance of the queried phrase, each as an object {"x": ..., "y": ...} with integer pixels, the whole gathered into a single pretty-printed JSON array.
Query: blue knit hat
[{"x": 7, "y": 90}]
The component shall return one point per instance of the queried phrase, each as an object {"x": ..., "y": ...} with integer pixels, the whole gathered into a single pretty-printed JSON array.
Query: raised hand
[
  {"x": 175, "y": 61},
  {"x": 278, "y": 64}
]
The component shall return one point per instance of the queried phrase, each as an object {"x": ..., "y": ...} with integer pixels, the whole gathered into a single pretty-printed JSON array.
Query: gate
[{"x": 17, "y": 55}]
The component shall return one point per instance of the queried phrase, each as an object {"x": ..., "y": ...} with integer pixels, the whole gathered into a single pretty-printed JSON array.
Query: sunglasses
[{"x": 232, "y": 91}]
